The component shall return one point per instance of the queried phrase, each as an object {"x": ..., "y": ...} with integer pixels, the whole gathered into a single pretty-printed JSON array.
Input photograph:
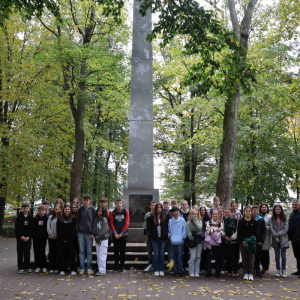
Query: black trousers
[
  {"x": 53, "y": 254},
  {"x": 23, "y": 251},
  {"x": 66, "y": 252},
  {"x": 76, "y": 245},
  {"x": 150, "y": 250},
  {"x": 296, "y": 250},
  {"x": 258, "y": 257},
  {"x": 231, "y": 255},
  {"x": 203, "y": 264},
  {"x": 186, "y": 256},
  {"x": 265, "y": 259},
  {"x": 119, "y": 251},
  {"x": 214, "y": 252},
  {"x": 39, "y": 248}
]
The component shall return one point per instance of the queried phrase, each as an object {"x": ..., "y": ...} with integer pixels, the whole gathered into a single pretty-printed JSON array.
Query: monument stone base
[{"x": 137, "y": 202}]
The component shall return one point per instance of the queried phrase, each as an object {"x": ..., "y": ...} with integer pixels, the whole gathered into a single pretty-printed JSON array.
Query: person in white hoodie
[{"x": 177, "y": 236}]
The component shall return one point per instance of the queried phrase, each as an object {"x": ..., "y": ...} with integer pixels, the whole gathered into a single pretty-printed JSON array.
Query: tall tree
[{"x": 82, "y": 36}]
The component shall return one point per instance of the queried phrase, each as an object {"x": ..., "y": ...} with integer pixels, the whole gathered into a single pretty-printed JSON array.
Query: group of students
[
  {"x": 195, "y": 237},
  {"x": 71, "y": 230}
]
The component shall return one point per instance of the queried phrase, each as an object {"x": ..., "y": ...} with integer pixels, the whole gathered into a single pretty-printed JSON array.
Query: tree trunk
[
  {"x": 193, "y": 161},
  {"x": 226, "y": 167},
  {"x": 297, "y": 182},
  {"x": 78, "y": 115},
  {"x": 5, "y": 143},
  {"x": 187, "y": 174}
]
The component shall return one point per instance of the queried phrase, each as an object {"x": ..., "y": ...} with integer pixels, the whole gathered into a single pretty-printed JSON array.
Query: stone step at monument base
[{"x": 136, "y": 257}]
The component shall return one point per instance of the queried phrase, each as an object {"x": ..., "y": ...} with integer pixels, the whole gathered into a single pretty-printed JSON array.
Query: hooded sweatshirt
[
  {"x": 177, "y": 231},
  {"x": 246, "y": 229},
  {"x": 40, "y": 227},
  {"x": 261, "y": 229},
  {"x": 24, "y": 225}
]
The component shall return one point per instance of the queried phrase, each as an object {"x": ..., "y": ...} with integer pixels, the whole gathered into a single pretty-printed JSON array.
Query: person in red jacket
[{"x": 119, "y": 222}]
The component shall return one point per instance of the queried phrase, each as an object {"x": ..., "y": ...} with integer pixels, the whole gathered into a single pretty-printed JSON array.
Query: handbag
[
  {"x": 190, "y": 243},
  {"x": 198, "y": 237}
]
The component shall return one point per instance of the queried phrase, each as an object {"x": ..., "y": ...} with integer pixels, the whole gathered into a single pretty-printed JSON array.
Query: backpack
[{"x": 210, "y": 223}]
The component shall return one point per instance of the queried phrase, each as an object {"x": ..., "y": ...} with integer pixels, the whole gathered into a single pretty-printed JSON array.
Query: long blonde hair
[{"x": 192, "y": 211}]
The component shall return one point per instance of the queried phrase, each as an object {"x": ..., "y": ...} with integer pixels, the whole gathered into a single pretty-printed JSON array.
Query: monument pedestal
[{"x": 137, "y": 202}]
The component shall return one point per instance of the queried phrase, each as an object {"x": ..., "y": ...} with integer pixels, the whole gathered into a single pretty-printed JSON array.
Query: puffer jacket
[
  {"x": 261, "y": 229},
  {"x": 280, "y": 235},
  {"x": 267, "y": 243}
]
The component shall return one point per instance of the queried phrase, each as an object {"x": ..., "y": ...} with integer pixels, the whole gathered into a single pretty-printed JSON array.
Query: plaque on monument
[{"x": 138, "y": 207}]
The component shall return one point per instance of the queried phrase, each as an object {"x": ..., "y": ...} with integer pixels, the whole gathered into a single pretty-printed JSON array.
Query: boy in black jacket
[
  {"x": 23, "y": 229},
  {"x": 261, "y": 236},
  {"x": 40, "y": 239}
]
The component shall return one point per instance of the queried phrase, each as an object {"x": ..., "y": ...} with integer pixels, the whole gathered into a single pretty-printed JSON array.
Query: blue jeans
[
  {"x": 159, "y": 255},
  {"x": 85, "y": 245},
  {"x": 283, "y": 258},
  {"x": 177, "y": 256}
]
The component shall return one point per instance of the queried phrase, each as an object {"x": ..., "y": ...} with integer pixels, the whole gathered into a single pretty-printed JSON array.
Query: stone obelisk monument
[{"x": 140, "y": 189}]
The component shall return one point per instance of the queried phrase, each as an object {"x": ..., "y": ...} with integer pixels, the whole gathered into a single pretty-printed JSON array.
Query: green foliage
[
  {"x": 38, "y": 158},
  {"x": 28, "y": 9},
  {"x": 203, "y": 35}
]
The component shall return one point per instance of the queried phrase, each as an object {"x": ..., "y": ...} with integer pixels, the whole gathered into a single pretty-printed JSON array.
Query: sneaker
[
  {"x": 81, "y": 272},
  {"x": 90, "y": 272},
  {"x": 21, "y": 271},
  {"x": 235, "y": 274},
  {"x": 156, "y": 273},
  {"x": 73, "y": 273},
  {"x": 149, "y": 268},
  {"x": 171, "y": 272},
  {"x": 197, "y": 275},
  {"x": 29, "y": 271},
  {"x": 250, "y": 277},
  {"x": 283, "y": 274},
  {"x": 222, "y": 273},
  {"x": 56, "y": 271},
  {"x": 116, "y": 269},
  {"x": 161, "y": 273},
  {"x": 98, "y": 274},
  {"x": 121, "y": 270},
  {"x": 37, "y": 270},
  {"x": 296, "y": 273},
  {"x": 186, "y": 269},
  {"x": 277, "y": 274},
  {"x": 51, "y": 271},
  {"x": 102, "y": 274},
  {"x": 62, "y": 273},
  {"x": 192, "y": 275},
  {"x": 258, "y": 273},
  {"x": 44, "y": 270},
  {"x": 246, "y": 276}
]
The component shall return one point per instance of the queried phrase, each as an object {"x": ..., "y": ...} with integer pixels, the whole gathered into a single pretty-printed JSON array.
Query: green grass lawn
[{"x": 13, "y": 213}]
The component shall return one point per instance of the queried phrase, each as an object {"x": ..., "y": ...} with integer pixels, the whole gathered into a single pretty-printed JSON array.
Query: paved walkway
[{"x": 136, "y": 285}]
